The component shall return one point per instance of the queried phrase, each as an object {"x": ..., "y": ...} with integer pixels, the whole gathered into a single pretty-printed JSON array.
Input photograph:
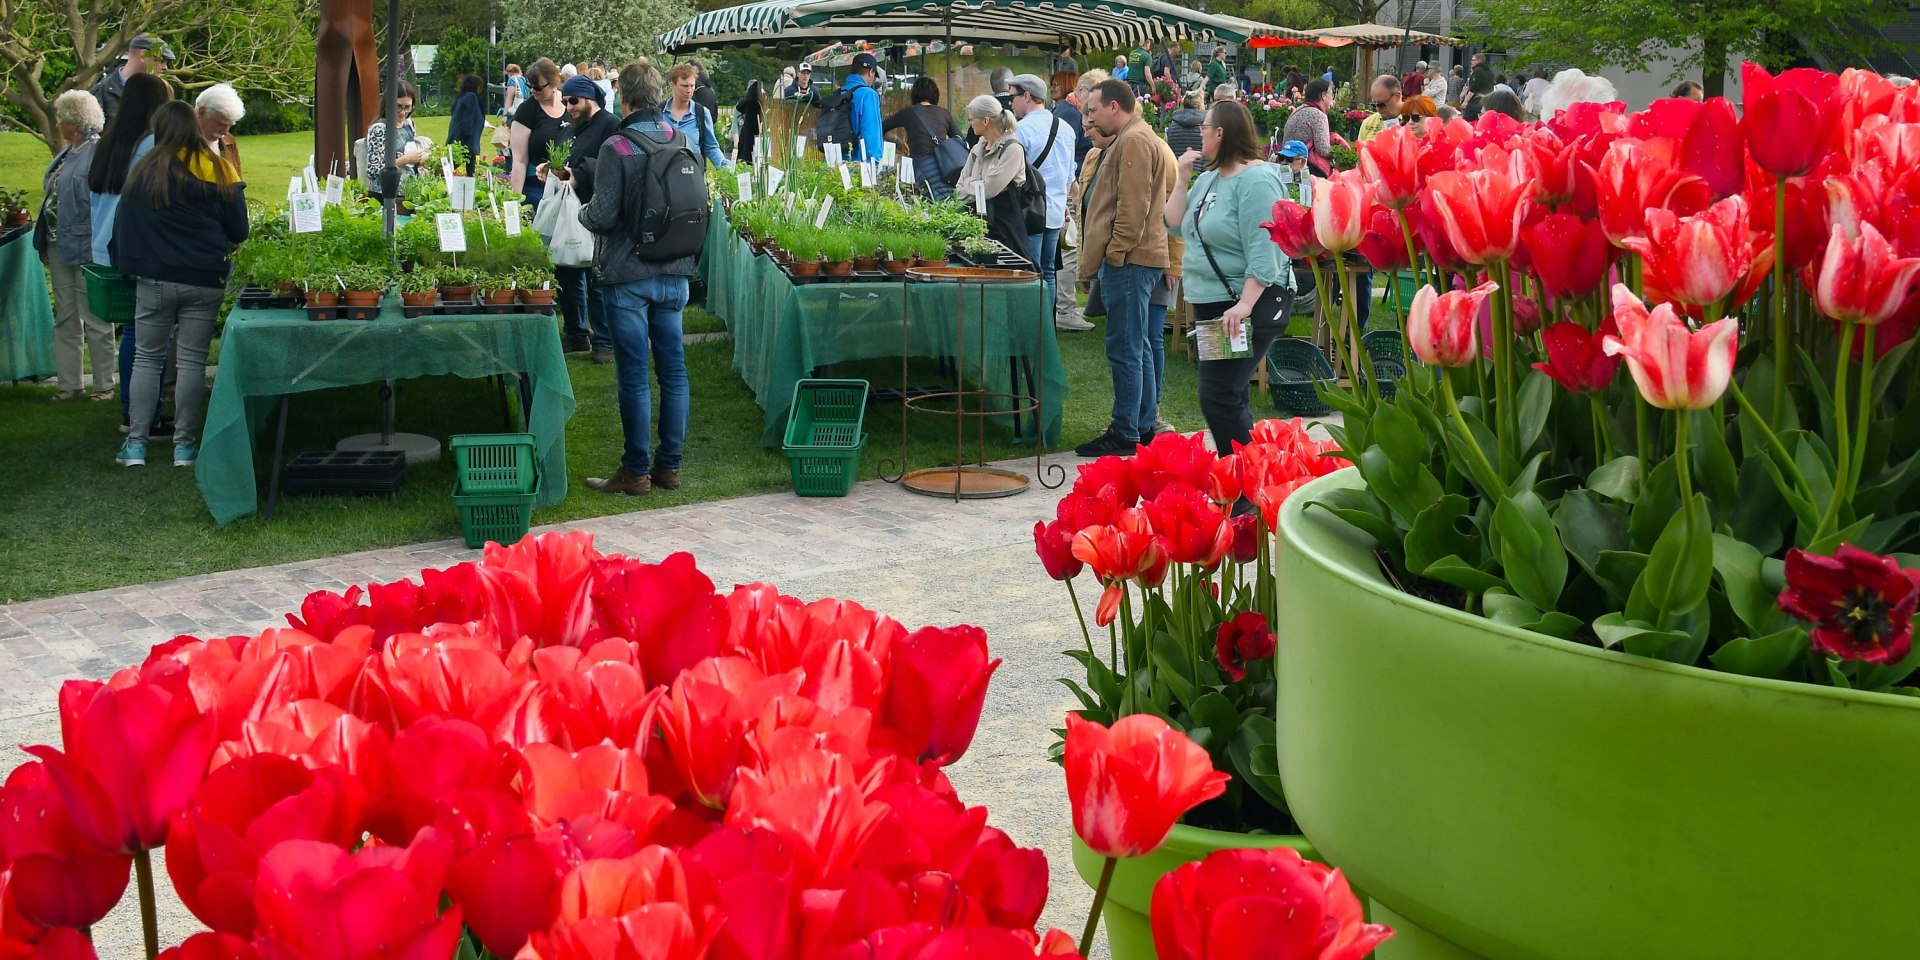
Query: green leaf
[
  {"x": 1555, "y": 624},
  {"x": 1636, "y": 636},
  {"x": 1887, "y": 368},
  {"x": 1767, "y": 656},
  {"x": 1805, "y": 515},
  {"x": 1816, "y": 466},
  {"x": 1214, "y": 711},
  {"x": 1619, "y": 479},
  {"x": 1363, "y": 510},
  {"x": 1619, "y": 570},
  {"x": 1458, "y": 572},
  {"x": 1681, "y": 566},
  {"x": 1436, "y": 533},
  {"x": 1814, "y": 381},
  {"x": 1759, "y": 513},
  {"x": 1171, "y": 669},
  {"x": 1509, "y": 609},
  {"x": 1086, "y": 699},
  {"x": 1531, "y": 556},
  {"x": 467, "y": 951},
  {"x": 1406, "y": 487},
  {"x": 1871, "y": 676},
  {"x": 1659, "y": 502},
  {"x": 1588, "y": 526},
  {"x": 1749, "y": 593},
  {"x": 1535, "y": 404},
  {"x": 1106, "y": 684},
  {"x": 1838, "y": 676},
  {"x": 1255, "y": 754},
  {"x": 1714, "y": 470}
]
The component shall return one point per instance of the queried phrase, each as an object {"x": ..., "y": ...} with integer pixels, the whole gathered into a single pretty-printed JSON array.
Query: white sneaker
[{"x": 1072, "y": 323}]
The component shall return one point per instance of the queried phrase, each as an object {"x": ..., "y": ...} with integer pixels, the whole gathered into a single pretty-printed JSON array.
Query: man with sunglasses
[
  {"x": 582, "y": 303},
  {"x": 1386, "y": 96}
]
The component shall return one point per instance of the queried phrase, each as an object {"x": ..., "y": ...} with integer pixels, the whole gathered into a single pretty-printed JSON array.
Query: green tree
[
  {"x": 616, "y": 30},
  {"x": 1687, "y": 35},
  {"x": 48, "y": 47}
]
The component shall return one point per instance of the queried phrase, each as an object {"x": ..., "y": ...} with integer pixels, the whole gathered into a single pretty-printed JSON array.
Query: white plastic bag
[
  {"x": 547, "y": 214},
  {"x": 572, "y": 244}
]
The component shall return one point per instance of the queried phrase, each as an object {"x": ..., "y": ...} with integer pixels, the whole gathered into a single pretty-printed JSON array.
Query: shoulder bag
[
  {"x": 1033, "y": 196},
  {"x": 949, "y": 153}
]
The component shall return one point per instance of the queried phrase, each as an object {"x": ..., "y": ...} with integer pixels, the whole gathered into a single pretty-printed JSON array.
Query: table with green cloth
[
  {"x": 26, "y": 312},
  {"x": 782, "y": 332},
  {"x": 268, "y": 354}
]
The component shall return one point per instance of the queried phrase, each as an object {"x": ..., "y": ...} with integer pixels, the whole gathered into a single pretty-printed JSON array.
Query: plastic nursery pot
[
  {"x": 362, "y": 298},
  {"x": 1129, "y": 935},
  {"x": 805, "y": 268},
  {"x": 837, "y": 268},
  {"x": 323, "y": 298},
  {"x": 541, "y": 297},
  {"x": 1506, "y": 795},
  {"x": 461, "y": 294},
  {"x": 866, "y": 264}
]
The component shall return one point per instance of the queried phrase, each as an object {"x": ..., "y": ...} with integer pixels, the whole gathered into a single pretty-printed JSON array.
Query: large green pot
[
  {"x": 1507, "y": 795},
  {"x": 1129, "y": 937}
]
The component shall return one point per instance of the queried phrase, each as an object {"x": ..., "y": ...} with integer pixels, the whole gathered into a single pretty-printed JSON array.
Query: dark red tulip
[
  {"x": 134, "y": 756},
  {"x": 59, "y": 878},
  {"x": 1242, "y": 640},
  {"x": 1860, "y": 604},
  {"x": 1570, "y": 255},
  {"x": 938, "y": 687},
  {"x": 1384, "y": 246},
  {"x": 1246, "y": 538},
  {"x": 1054, "y": 543},
  {"x": 1789, "y": 118},
  {"x": 1259, "y": 903},
  {"x": 1577, "y": 358},
  {"x": 212, "y": 946}
]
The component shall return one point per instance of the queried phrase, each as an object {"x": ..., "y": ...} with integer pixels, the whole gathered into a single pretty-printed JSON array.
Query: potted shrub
[
  {"x": 836, "y": 249},
  {"x": 535, "y": 286},
  {"x": 930, "y": 250},
  {"x": 13, "y": 206},
  {"x": 804, "y": 247},
  {"x": 1566, "y": 655},
  {"x": 1187, "y": 599},
  {"x": 418, "y": 288},
  {"x": 456, "y": 284}
]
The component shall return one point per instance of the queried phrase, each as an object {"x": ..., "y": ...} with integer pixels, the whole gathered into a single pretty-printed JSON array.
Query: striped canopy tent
[
  {"x": 1082, "y": 24},
  {"x": 1365, "y": 35}
]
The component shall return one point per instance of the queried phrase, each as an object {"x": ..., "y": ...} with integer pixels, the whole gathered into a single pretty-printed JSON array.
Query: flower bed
[{"x": 550, "y": 753}]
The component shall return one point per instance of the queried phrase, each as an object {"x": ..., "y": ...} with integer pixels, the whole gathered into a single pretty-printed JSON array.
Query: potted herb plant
[
  {"x": 930, "y": 250},
  {"x": 836, "y": 249},
  {"x": 13, "y": 205},
  {"x": 418, "y": 288},
  {"x": 869, "y": 261},
  {"x": 535, "y": 286},
  {"x": 497, "y": 291},
  {"x": 804, "y": 247},
  {"x": 456, "y": 284},
  {"x": 899, "y": 253}
]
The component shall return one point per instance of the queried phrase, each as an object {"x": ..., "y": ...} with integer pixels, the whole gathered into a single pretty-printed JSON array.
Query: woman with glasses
[
  {"x": 413, "y": 147},
  {"x": 996, "y": 167},
  {"x": 538, "y": 124},
  {"x": 1235, "y": 278}
]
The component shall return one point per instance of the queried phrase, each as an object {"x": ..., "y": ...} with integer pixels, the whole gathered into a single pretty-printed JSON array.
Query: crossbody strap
[
  {"x": 1052, "y": 135},
  {"x": 1199, "y": 209}
]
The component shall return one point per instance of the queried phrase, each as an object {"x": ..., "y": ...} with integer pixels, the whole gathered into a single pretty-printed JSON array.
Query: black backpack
[
  {"x": 1033, "y": 194},
  {"x": 835, "y": 124},
  {"x": 670, "y": 214}
]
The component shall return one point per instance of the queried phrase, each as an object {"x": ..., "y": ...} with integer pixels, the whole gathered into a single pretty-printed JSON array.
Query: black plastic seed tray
[{"x": 346, "y": 473}]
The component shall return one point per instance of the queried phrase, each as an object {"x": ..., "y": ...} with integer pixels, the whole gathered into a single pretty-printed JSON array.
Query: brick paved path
[{"x": 921, "y": 560}]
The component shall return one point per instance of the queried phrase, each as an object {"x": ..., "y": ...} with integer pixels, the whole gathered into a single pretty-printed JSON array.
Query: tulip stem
[
  {"x": 1773, "y": 439},
  {"x": 1682, "y": 456},
  {"x": 1487, "y": 473},
  {"x": 1413, "y": 259},
  {"x": 1602, "y": 440},
  {"x": 1865, "y": 417},
  {"x": 149, "y": 919},
  {"x": 1079, "y": 617},
  {"x": 1782, "y": 338},
  {"x": 1099, "y": 904},
  {"x": 1350, "y": 327},
  {"x": 1507, "y": 422},
  {"x": 1843, "y": 457},
  {"x": 1642, "y": 429}
]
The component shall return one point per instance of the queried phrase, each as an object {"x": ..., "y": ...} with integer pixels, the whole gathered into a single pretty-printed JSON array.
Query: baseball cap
[
  {"x": 865, "y": 61},
  {"x": 1294, "y": 150},
  {"x": 144, "y": 42},
  {"x": 808, "y": 67},
  {"x": 1033, "y": 85}
]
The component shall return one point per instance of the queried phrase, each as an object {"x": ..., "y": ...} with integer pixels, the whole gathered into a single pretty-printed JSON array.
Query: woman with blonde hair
[
  {"x": 64, "y": 237},
  {"x": 996, "y": 168}
]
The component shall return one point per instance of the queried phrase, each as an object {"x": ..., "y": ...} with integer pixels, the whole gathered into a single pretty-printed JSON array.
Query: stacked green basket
[
  {"x": 109, "y": 295},
  {"x": 824, "y": 442},
  {"x": 496, "y": 482}
]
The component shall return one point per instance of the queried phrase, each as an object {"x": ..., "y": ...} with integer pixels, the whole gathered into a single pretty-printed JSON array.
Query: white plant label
[
  {"x": 453, "y": 234},
  {"x": 1239, "y": 340},
  {"x": 511, "y": 215},
  {"x": 846, "y": 179},
  {"x": 888, "y": 154},
  {"x": 305, "y": 208},
  {"x": 746, "y": 188},
  {"x": 775, "y": 177},
  {"x": 833, "y": 154},
  {"x": 980, "y": 197},
  {"x": 906, "y": 173},
  {"x": 460, "y": 192},
  {"x": 791, "y": 197},
  {"x": 336, "y": 189},
  {"x": 826, "y": 207},
  {"x": 799, "y": 145},
  {"x": 294, "y": 186},
  {"x": 313, "y": 182},
  {"x": 866, "y": 174}
]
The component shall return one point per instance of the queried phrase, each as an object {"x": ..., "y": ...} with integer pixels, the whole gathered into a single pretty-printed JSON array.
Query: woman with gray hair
[
  {"x": 216, "y": 110},
  {"x": 996, "y": 167},
  {"x": 64, "y": 237}
]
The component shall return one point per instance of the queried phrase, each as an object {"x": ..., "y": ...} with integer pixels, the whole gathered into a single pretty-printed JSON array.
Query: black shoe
[
  {"x": 575, "y": 344},
  {"x": 1107, "y": 444},
  {"x": 162, "y": 429}
]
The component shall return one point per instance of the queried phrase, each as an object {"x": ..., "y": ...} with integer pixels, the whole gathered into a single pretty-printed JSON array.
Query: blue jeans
[
  {"x": 1157, "y": 327},
  {"x": 1041, "y": 249},
  {"x": 643, "y": 317},
  {"x": 1130, "y": 346},
  {"x": 583, "y": 309}
]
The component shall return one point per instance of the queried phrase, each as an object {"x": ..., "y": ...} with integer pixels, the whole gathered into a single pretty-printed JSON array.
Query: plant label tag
[
  {"x": 305, "y": 208},
  {"x": 833, "y": 154},
  {"x": 826, "y": 207},
  {"x": 888, "y": 154},
  {"x": 336, "y": 189},
  {"x": 746, "y": 188},
  {"x": 313, "y": 182},
  {"x": 866, "y": 174},
  {"x": 460, "y": 192},
  {"x": 846, "y": 179},
  {"x": 294, "y": 186},
  {"x": 906, "y": 173},
  {"x": 980, "y": 197},
  {"x": 791, "y": 197},
  {"x": 511, "y": 214},
  {"x": 799, "y": 145},
  {"x": 775, "y": 177},
  {"x": 453, "y": 234}
]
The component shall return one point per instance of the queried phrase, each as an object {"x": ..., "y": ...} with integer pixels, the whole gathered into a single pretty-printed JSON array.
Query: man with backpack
[
  {"x": 649, "y": 215},
  {"x": 1048, "y": 140},
  {"x": 854, "y": 119}
]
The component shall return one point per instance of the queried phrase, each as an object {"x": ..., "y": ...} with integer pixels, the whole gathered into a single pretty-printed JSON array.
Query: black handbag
[
  {"x": 949, "y": 153},
  {"x": 1033, "y": 194}
]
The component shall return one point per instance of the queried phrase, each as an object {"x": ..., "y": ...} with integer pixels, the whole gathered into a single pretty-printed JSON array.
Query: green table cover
[
  {"x": 267, "y": 353},
  {"x": 26, "y": 313},
  {"x": 782, "y": 333}
]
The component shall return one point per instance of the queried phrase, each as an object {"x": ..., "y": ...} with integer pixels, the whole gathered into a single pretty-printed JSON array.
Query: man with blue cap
[
  {"x": 867, "y": 136},
  {"x": 583, "y": 310},
  {"x": 144, "y": 55},
  {"x": 1295, "y": 184}
]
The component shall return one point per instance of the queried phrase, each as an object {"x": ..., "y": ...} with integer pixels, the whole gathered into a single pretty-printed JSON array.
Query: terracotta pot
[
  {"x": 541, "y": 297},
  {"x": 322, "y": 298},
  {"x": 462, "y": 294},
  {"x": 16, "y": 219},
  {"x": 494, "y": 298},
  {"x": 866, "y": 264},
  {"x": 287, "y": 289},
  {"x": 805, "y": 268},
  {"x": 837, "y": 268},
  {"x": 924, "y": 262},
  {"x": 423, "y": 298},
  {"x": 363, "y": 298},
  {"x": 779, "y": 255},
  {"x": 897, "y": 267}
]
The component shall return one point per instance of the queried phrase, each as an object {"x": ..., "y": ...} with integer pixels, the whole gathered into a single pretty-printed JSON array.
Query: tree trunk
[{"x": 1713, "y": 68}]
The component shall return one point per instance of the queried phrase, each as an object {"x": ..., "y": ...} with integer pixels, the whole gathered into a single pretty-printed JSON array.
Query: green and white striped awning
[{"x": 1084, "y": 24}]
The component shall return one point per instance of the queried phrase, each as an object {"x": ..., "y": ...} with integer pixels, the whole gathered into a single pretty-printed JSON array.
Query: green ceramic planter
[
  {"x": 1129, "y": 937},
  {"x": 1511, "y": 796}
]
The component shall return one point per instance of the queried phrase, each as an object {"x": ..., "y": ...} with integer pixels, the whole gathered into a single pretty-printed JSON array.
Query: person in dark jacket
[
  {"x": 703, "y": 92},
  {"x": 926, "y": 124},
  {"x": 182, "y": 213},
  {"x": 469, "y": 119},
  {"x": 583, "y": 308},
  {"x": 748, "y": 129},
  {"x": 645, "y": 297},
  {"x": 1183, "y": 126}
]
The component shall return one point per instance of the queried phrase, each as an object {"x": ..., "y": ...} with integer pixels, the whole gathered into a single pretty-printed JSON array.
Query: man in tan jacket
[{"x": 1124, "y": 244}]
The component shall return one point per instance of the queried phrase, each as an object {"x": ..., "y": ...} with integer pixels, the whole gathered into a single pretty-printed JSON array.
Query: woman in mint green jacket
[{"x": 1233, "y": 274}]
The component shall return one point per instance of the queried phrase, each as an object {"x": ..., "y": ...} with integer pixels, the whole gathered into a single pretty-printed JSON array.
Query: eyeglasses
[
  {"x": 1379, "y": 105},
  {"x": 1209, "y": 126},
  {"x": 541, "y": 87}
]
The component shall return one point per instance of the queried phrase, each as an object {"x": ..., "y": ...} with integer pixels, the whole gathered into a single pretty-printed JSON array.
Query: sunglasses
[
  {"x": 575, "y": 101},
  {"x": 542, "y": 87}
]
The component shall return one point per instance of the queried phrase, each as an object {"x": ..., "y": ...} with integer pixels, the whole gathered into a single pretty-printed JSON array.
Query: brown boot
[
  {"x": 622, "y": 482},
  {"x": 665, "y": 479}
]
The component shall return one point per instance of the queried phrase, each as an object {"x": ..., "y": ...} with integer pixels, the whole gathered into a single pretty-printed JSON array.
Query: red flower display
[
  {"x": 315, "y": 900},
  {"x": 1384, "y": 246},
  {"x": 1860, "y": 604},
  {"x": 1244, "y": 639},
  {"x": 58, "y": 878},
  {"x": 1699, "y": 259},
  {"x": 1192, "y": 527},
  {"x": 1130, "y": 783},
  {"x": 1391, "y": 160},
  {"x": 1577, "y": 358},
  {"x": 939, "y": 683},
  {"x": 134, "y": 755},
  {"x": 1259, "y": 903}
]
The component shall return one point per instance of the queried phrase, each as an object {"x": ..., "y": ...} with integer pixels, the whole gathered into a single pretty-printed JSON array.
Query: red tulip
[
  {"x": 1172, "y": 459},
  {"x": 1259, "y": 903},
  {"x": 1440, "y": 326},
  {"x": 938, "y": 687},
  {"x": 59, "y": 879},
  {"x": 1223, "y": 480},
  {"x": 1244, "y": 639},
  {"x": 507, "y": 888},
  {"x": 1700, "y": 259},
  {"x": 1339, "y": 210},
  {"x": 1570, "y": 255},
  {"x": 1292, "y": 228},
  {"x": 59, "y": 943},
  {"x": 1631, "y": 180},
  {"x": 1482, "y": 211},
  {"x": 315, "y": 900},
  {"x": 668, "y": 609},
  {"x": 1246, "y": 538},
  {"x": 1384, "y": 246},
  {"x": 704, "y": 716},
  {"x": 1577, "y": 358},
  {"x": 1861, "y": 280},
  {"x": 1860, "y": 604},
  {"x": 1556, "y": 168},
  {"x": 1008, "y": 881},
  {"x": 1131, "y": 783},
  {"x": 1118, "y": 554},
  {"x": 1115, "y": 479},
  {"x": 212, "y": 946},
  {"x": 1391, "y": 161},
  {"x": 1192, "y": 528},
  {"x": 1431, "y": 231},
  {"x": 1674, "y": 367},
  {"x": 243, "y": 810},
  {"x": 134, "y": 756},
  {"x": 1054, "y": 543},
  {"x": 600, "y": 784},
  {"x": 1789, "y": 118},
  {"x": 653, "y": 932},
  {"x": 1705, "y": 137}
]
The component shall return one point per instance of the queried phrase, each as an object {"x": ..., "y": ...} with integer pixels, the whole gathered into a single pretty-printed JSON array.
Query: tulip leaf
[
  {"x": 1618, "y": 570},
  {"x": 1399, "y": 434},
  {"x": 1172, "y": 669},
  {"x": 1105, "y": 683},
  {"x": 1888, "y": 368},
  {"x": 1767, "y": 656},
  {"x": 1837, "y": 675},
  {"x": 1363, "y": 510},
  {"x": 1458, "y": 572},
  {"x": 1635, "y": 636},
  {"x": 1508, "y": 609},
  {"x": 1437, "y": 533},
  {"x": 1534, "y": 405},
  {"x": 1877, "y": 676},
  {"x": 1086, "y": 699},
  {"x": 1530, "y": 552},
  {"x": 1680, "y": 568},
  {"x": 1851, "y": 533},
  {"x": 1406, "y": 486},
  {"x": 1589, "y": 525},
  {"x": 1882, "y": 531},
  {"x": 1659, "y": 502},
  {"x": 1218, "y": 714},
  {"x": 1556, "y": 624},
  {"x": 1713, "y": 467},
  {"x": 1814, "y": 381},
  {"x": 1888, "y": 488},
  {"x": 1749, "y": 593},
  {"x": 1255, "y": 755},
  {"x": 1463, "y": 458},
  {"x": 1619, "y": 479},
  {"x": 1804, "y": 512},
  {"x": 1759, "y": 511},
  {"x": 467, "y": 951}
]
